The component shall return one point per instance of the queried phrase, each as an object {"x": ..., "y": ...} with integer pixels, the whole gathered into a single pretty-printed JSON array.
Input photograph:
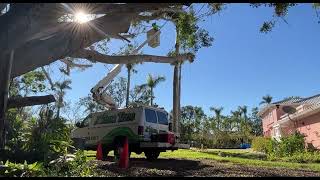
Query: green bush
[
  {"x": 291, "y": 145},
  {"x": 10, "y": 169},
  {"x": 71, "y": 165},
  {"x": 290, "y": 149},
  {"x": 262, "y": 144}
]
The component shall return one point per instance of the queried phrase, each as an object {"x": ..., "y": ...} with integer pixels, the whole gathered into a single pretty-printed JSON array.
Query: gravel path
[{"x": 204, "y": 167}]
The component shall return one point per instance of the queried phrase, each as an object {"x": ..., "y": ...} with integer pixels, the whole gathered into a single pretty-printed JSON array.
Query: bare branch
[
  {"x": 72, "y": 64},
  {"x": 96, "y": 56},
  {"x": 48, "y": 77}
]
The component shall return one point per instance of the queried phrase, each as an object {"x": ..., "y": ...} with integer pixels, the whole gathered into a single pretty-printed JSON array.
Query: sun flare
[{"x": 81, "y": 17}]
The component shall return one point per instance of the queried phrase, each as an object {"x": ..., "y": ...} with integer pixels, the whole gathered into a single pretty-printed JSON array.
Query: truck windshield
[{"x": 162, "y": 118}]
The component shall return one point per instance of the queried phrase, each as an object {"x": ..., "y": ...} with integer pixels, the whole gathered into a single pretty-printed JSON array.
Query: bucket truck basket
[{"x": 153, "y": 42}]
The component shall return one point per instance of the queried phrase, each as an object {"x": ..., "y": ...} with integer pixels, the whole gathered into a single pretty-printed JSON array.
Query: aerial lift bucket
[{"x": 124, "y": 156}]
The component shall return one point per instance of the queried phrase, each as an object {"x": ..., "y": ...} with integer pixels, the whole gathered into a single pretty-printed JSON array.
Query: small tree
[{"x": 61, "y": 91}]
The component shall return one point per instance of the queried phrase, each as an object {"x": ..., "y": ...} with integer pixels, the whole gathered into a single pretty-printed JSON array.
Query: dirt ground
[{"x": 203, "y": 167}]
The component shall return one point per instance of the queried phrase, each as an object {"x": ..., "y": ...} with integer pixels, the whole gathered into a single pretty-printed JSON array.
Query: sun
[{"x": 81, "y": 17}]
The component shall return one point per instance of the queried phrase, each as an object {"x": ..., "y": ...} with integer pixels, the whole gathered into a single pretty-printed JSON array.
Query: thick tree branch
[
  {"x": 24, "y": 21},
  {"x": 72, "y": 64},
  {"x": 18, "y": 102},
  {"x": 96, "y": 56},
  {"x": 102, "y": 8},
  {"x": 74, "y": 37}
]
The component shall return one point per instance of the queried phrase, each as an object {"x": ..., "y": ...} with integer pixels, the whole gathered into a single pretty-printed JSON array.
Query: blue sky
[{"x": 242, "y": 65}]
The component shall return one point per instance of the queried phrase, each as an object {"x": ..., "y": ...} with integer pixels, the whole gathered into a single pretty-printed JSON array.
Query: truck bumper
[{"x": 164, "y": 146}]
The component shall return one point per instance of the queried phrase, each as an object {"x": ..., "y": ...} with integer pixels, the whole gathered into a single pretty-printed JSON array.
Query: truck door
[{"x": 151, "y": 123}]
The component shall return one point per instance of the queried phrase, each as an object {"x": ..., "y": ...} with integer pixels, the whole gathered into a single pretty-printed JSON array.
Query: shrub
[
  {"x": 71, "y": 165},
  {"x": 10, "y": 169},
  {"x": 303, "y": 157},
  {"x": 262, "y": 144},
  {"x": 291, "y": 144}
]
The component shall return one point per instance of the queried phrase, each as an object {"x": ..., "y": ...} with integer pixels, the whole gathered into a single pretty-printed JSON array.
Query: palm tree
[
  {"x": 217, "y": 111},
  {"x": 267, "y": 99},
  {"x": 152, "y": 82},
  {"x": 61, "y": 91},
  {"x": 130, "y": 69},
  {"x": 243, "y": 110},
  {"x": 236, "y": 118}
]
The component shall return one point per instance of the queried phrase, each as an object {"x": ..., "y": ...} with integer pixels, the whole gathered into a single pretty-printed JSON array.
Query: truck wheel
[
  {"x": 117, "y": 151},
  {"x": 152, "y": 155},
  {"x": 105, "y": 152}
]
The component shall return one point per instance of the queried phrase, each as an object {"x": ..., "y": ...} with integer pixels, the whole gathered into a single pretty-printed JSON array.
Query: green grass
[{"x": 234, "y": 156}]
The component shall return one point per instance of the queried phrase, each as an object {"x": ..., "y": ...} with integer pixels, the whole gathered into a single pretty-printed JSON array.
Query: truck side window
[
  {"x": 150, "y": 116},
  {"x": 126, "y": 117},
  {"x": 106, "y": 118},
  {"x": 162, "y": 118}
]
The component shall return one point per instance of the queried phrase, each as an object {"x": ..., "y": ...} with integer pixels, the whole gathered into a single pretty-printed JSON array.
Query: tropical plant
[
  {"x": 152, "y": 82},
  {"x": 217, "y": 111},
  {"x": 61, "y": 91},
  {"x": 267, "y": 99}
]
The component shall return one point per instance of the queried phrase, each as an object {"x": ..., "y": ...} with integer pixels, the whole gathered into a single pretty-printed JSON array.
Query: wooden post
[{"x": 5, "y": 71}]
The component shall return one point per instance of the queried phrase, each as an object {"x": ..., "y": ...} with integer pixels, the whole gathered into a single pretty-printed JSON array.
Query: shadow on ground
[{"x": 159, "y": 167}]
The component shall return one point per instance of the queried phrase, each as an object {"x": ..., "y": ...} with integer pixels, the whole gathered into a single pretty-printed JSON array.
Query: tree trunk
[
  {"x": 5, "y": 70},
  {"x": 175, "y": 98},
  {"x": 179, "y": 94},
  {"x": 128, "y": 87},
  {"x": 151, "y": 99}
]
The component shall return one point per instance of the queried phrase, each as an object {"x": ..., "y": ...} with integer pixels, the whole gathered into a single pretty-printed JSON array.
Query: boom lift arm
[{"x": 99, "y": 91}]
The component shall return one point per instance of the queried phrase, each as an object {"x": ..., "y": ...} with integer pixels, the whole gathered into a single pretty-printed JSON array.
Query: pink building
[{"x": 306, "y": 119}]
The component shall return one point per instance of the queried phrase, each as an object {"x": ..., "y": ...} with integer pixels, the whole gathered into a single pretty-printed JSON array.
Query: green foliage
[
  {"x": 291, "y": 144},
  {"x": 191, "y": 38},
  {"x": 117, "y": 90},
  {"x": 70, "y": 165},
  {"x": 90, "y": 106},
  {"x": 291, "y": 149},
  {"x": 256, "y": 122},
  {"x": 267, "y": 99},
  {"x": 262, "y": 144},
  {"x": 34, "y": 80},
  {"x": 50, "y": 137},
  {"x": 10, "y": 169},
  {"x": 146, "y": 90},
  {"x": 303, "y": 157}
]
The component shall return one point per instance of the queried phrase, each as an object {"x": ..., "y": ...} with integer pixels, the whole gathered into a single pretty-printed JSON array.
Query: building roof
[{"x": 312, "y": 100}]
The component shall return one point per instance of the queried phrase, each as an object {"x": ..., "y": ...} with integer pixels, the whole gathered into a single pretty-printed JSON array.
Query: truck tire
[
  {"x": 152, "y": 155},
  {"x": 105, "y": 152},
  {"x": 117, "y": 150}
]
